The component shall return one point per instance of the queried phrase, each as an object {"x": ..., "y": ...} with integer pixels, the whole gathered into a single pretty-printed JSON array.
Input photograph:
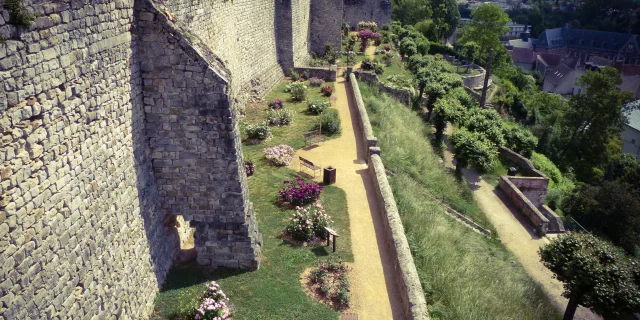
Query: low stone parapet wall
[
  {"x": 402, "y": 95},
  {"x": 524, "y": 205},
  {"x": 326, "y": 74},
  {"x": 411, "y": 293},
  {"x": 363, "y": 117}
]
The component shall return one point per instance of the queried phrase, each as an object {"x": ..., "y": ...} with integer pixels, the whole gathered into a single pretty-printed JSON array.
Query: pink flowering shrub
[
  {"x": 316, "y": 82},
  {"x": 214, "y": 306},
  {"x": 279, "y": 155},
  {"x": 249, "y": 167},
  {"x": 308, "y": 222},
  {"x": 299, "y": 192},
  {"x": 365, "y": 36},
  {"x": 387, "y": 48}
]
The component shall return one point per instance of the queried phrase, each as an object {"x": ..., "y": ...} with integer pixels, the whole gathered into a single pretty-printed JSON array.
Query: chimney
[{"x": 524, "y": 35}]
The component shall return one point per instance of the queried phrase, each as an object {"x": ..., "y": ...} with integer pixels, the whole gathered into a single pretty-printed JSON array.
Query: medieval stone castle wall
[{"x": 116, "y": 117}]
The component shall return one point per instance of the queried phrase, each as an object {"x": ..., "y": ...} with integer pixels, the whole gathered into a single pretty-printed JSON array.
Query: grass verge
[{"x": 465, "y": 275}]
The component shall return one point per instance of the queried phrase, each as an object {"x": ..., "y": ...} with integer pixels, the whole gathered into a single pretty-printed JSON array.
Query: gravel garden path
[
  {"x": 374, "y": 287},
  {"x": 515, "y": 233}
]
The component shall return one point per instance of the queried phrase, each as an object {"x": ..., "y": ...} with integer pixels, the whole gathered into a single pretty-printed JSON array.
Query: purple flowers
[
  {"x": 316, "y": 82},
  {"x": 276, "y": 104},
  {"x": 365, "y": 36},
  {"x": 214, "y": 306},
  {"x": 249, "y": 167},
  {"x": 298, "y": 192}
]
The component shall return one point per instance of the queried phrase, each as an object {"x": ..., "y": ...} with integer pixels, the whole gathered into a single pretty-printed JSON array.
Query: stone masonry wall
[
  {"x": 81, "y": 232},
  {"x": 325, "y": 24},
  {"x": 197, "y": 156},
  {"x": 301, "y": 32},
  {"x": 241, "y": 33},
  {"x": 378, "y": 11}
]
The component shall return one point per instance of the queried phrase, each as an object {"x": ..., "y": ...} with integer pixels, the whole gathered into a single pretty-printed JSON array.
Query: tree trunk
[{"x": 571, "y": 309}]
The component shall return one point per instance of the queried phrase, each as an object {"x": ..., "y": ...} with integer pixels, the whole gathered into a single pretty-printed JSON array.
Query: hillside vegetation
[{"x": 465, "y": 275}]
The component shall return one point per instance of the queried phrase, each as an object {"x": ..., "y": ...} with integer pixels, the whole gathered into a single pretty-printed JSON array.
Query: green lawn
[
  {"x": 274, "y": 291},
  {"x": 462, "y": 70},
  {"x": 465, "y": 275},
  {"x": 293, "y": 134}
]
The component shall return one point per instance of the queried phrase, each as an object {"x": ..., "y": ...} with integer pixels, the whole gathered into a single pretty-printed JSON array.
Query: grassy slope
[
  {"x": 465, "y": 275},
  {"x": 274, "y": 291}
]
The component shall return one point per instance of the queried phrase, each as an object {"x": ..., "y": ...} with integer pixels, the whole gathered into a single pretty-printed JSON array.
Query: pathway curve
[
  {"x": 375, "y": 291},
  {"x": 515, "y": 233}
]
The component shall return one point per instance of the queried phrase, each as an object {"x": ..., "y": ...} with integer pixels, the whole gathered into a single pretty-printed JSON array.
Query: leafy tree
[
  {"x": 446, "y": 17},
  {"x": 594, "y": 119},
  {"x": 407, "y": 48},
  {"x": 520, "y": 140},
  {"x": 447, "y": 109},
  {"x": 488, "y": 23},
  {"x": 440, "y": 84},
  {"x": 486, "y": 122},
  {"x": 410, "y": 11},
  {"x": 423, "y": 46},
  {"x": 624, "y": 168},
  {"x": 470, "y": 49},
  {"x": 330, "y": 53},
  {"x": 472, "y": 148},
  {"x": 428, "y": 29},
  {"x": 595, "y": 274}
]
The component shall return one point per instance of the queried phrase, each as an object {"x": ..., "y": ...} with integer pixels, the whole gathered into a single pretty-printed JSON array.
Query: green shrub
[
  {"x": 520, "y": 139},
  {"x": 294, "y": 75},
  {"x": 281, "y": 117},
  {"x": 318, "y": 106},
  {"x": 259, "y": 131},
  {"x": 542, "y": 163},
  {"x": 330, "y": 122},
  {"x": 378, "y": 68},
  {"x": 298, "y": 91}
]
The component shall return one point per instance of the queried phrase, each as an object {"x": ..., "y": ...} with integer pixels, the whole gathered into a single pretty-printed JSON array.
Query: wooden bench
[
  {"x": 313, "y": 137},
  {"x": 331, "y": 233},
  {"x": 306, "y": 163}
]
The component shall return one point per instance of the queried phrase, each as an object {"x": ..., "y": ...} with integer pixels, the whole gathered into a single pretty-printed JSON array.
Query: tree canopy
[
  {"x": 595, "y": 274},
  {"x": 488, "y": 23}
]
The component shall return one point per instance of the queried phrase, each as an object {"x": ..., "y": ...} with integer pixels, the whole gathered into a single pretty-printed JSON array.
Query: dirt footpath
[
  {"x": 374, "y": 288},
  {"x": 515, "y": 232}
]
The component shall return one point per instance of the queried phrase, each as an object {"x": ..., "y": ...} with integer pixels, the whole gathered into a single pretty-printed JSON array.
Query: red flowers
[{"x": 327, "y": 91}]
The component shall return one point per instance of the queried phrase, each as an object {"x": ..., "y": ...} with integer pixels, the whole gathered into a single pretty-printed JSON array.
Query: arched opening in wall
[{"x": 186, "y": 234}]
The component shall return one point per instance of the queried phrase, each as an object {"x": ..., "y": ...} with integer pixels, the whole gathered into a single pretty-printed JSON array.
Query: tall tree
[
  {"x": 409, "y": 12},
  {"x": 595, "y": 274},
  {"x": 446, "y": 16},
  {"x": 594, "y": 119},
  {"x": 488, "y": 23}
]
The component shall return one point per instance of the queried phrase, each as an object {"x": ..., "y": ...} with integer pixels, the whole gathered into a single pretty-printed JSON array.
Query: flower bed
[
  {"x": 309, "y": 222},
  {"x": 214, "y": 306},
  {"x": 318, "y": 106},
  {"x": 260, "y": 131},
  {"x": 249, "y": 167},
  {"x": 329, "y": 282},
  {"x": 316, "y": 82},
  {"x": 281, "y": 117},
  {"x": 276, "y": 104},
  {"x": 299, "y": 192},
  {"x": 280, "y": 155},
  {"x": 327, "y": 91}
]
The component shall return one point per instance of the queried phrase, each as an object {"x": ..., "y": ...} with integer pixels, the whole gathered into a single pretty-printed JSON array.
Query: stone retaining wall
[
  {"x": 525, "y": 165},
  {"x": 477, "y": 81},
  {"x": 325, "y": 24},
  {"x": 378, "y": 11},
  {"x": 402, "y": 95},
  {"x": 411, "y": 293},
  {"x": 327, "y": 74},
  {"x": 524, "y": 205}
]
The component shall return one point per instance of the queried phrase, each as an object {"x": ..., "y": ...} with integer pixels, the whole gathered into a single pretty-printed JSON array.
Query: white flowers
[{"x": 280, "y": 155}]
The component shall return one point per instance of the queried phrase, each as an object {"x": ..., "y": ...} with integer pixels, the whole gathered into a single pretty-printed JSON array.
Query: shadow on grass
[{"x": 186, "y": 275}]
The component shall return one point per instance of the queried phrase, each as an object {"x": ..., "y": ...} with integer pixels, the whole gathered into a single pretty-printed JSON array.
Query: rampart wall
[
  {"x": 81, "y": 226},
  {"x": 378, "y": 11}
]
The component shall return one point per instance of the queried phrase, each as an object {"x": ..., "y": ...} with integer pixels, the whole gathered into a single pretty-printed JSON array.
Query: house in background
[
  {"x": 522, "y": 57},
  {"x": 584, "y": 44},
  {"x": 631, "y": 134},
  {"x": 562, "y": 80}
]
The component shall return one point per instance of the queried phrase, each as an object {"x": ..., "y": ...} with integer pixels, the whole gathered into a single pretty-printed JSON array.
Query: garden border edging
[{"x": 411, "y": 292}]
